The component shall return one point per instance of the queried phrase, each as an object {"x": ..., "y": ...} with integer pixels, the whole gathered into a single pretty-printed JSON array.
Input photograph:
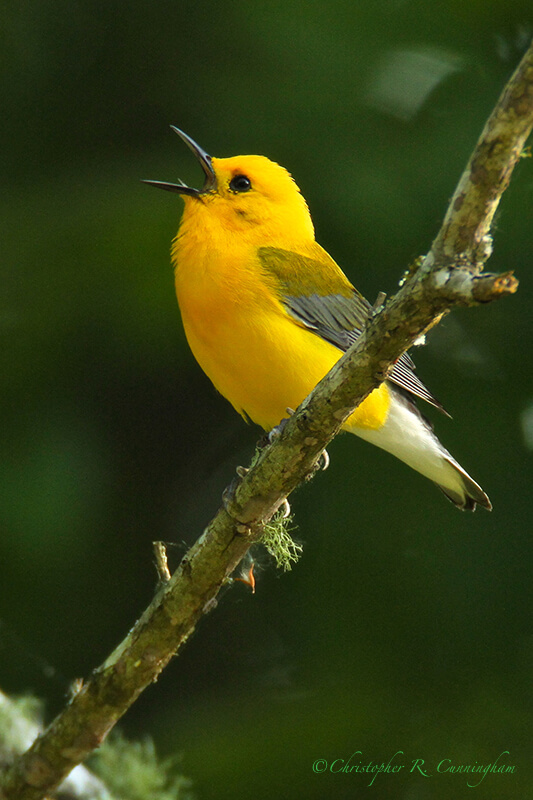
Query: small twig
[
  {"x": 161, "y": 561},
  {"x": 378, "y": 302}
]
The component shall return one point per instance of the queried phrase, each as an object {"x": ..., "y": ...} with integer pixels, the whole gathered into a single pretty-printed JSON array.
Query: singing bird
[{"x": 267, "y": 313}]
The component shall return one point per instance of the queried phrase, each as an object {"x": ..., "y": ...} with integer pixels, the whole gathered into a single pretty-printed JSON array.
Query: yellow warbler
[{"x": 267, "y": 312}]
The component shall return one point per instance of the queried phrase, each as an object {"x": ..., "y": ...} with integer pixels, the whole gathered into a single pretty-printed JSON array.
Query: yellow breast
[{"x": 255, "y": 354}]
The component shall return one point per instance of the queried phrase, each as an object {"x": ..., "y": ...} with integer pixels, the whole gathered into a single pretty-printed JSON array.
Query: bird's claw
[
  {"x": 323, "y": 460},
  {"x": 229, "y": 492},
  {"x": 277, "y": 429},
  {"x": 285, "y": 509}
]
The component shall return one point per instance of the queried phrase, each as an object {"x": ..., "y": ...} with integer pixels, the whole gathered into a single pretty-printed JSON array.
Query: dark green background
[{"x": 406, "y": 625}]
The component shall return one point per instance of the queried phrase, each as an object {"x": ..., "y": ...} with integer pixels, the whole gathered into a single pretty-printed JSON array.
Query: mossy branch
[{"x": 450, "y": 275}]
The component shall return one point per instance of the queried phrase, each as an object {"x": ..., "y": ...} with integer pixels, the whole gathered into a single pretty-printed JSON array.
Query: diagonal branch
[{"x": 449, "y": 275}]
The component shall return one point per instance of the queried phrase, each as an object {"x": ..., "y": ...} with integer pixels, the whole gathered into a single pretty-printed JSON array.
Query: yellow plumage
[
  {"x": 257, "y": 355},
  {"x": 267, "y": 312}
]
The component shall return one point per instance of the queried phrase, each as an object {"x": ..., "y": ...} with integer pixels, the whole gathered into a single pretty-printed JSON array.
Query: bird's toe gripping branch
[{"x": 277, "y": 429}]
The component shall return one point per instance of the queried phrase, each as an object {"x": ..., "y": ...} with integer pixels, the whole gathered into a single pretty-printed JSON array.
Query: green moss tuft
[
  {"x": 279, "y": 542},
  {"x": 132, "y": 771}
]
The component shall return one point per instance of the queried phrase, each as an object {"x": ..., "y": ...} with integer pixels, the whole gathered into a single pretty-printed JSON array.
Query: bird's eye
[{"x": 240, "y": 183}]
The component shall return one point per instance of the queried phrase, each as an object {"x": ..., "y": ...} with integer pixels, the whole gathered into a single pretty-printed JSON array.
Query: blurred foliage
[
  {"x": 129, "y": 770},
  {"x": 405, "y": 625},
  {"x": 133, "y": 771}
]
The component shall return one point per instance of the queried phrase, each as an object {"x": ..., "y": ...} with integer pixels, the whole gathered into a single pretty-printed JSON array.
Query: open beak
[{"x": 210, "y": 182}]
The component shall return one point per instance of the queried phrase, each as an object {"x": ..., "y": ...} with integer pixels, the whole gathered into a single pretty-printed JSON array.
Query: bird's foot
[{"x": 277, "y": 429}]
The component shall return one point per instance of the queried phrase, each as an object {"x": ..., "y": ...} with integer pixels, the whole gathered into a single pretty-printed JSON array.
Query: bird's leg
[{"x": 323, "y": 459}]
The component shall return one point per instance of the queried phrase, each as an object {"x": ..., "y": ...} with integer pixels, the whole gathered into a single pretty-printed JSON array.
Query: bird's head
[{"x": 248, "y": 195}]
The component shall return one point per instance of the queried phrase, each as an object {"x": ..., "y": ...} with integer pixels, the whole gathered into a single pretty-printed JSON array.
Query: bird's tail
[
  {"x": 471, "y": 493},
  {"x": 409, "y": 436}
]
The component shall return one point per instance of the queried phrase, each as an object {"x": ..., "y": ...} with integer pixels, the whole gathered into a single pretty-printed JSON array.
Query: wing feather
[{"x": 318, "y": 295}]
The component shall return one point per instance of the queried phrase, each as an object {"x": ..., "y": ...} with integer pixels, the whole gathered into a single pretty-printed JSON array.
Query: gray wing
[{"x": 339, "y": 320}]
